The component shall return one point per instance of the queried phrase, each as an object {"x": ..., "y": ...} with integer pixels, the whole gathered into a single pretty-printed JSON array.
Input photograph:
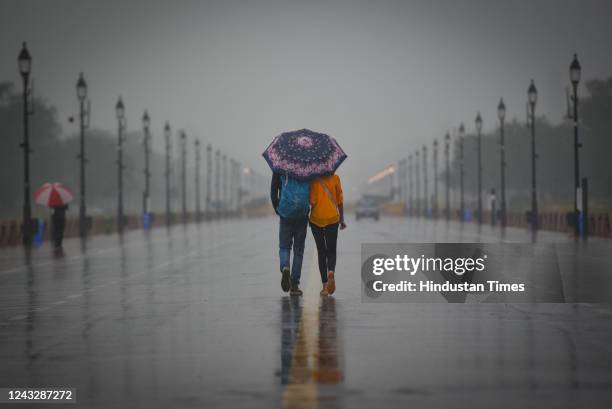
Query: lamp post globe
[
  {"x": 25, "y": 62},
  {"x": 120, "y": 109},
  {"x": 81, "y": 88},
  {"x": 478, "y": 122},
  {"x": 167, "y": 130},
  {"x": 532, "y": 94},
  {"x": 146, "y": 121},
  {"x": 575, "y": 70},
  {"x": 501, "y": 110}
]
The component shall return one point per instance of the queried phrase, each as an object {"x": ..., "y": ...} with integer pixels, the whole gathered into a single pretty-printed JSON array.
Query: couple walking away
[{"x": 305, "y": 190}]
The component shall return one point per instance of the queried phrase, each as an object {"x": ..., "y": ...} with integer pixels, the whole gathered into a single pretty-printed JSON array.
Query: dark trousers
[
  {"x": 57, "y": 230},
  {"x": 326, "y": 239},
  {"x": 292, "y": 233}
]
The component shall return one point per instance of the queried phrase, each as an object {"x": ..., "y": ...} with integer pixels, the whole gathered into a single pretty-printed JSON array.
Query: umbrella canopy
[
  {"x": 304, "y": 154},
  {"x": 53, "y": 195}
]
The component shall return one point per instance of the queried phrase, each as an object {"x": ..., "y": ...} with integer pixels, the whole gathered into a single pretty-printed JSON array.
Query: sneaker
[
  {"x": 331, "y": 283},
  {"x": 285, "y": 281},
  {"x": 295, "y": 290}
]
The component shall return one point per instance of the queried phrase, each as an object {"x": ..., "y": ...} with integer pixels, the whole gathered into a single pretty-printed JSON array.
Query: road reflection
[{"x": 311, "y": 355}]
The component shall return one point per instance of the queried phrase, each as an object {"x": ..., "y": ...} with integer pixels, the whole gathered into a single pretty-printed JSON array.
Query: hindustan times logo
[{"x": 413, "y": 265}]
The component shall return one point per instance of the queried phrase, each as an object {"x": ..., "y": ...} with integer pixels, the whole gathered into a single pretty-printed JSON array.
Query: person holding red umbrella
[{"x": 55, "y": 196}]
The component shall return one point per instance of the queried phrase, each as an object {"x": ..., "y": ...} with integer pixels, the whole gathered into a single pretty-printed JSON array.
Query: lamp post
[
  {"x": 478, "y": 122},
  {"x": 418, "y": 183},
  {"x": 447, "y": 159},
  {"x": 81, "y": 88},
  {"x": 425, "y": 184},
  {"x": 233, "y": 185},
  {"x": 532, "y": 98},
  {"x": 146, "y": 122},
  {"x": 183, "y": 137},
  {"x": 197, "y": 178},
  {"x": 167, "y": 135},
  {"x": 239, "y": 189},
  {"x": 435, "y": 179},
  {"x": 461, "y": 173},
  {"x": 575, "y": 71},
  {"x": 25, "y": 68},
  {"x": 404, "y": 186},
  {"x": 501, "y": 114},
  {"x": 410, "y": 185},
  {"x": 224, "y": 183},
  {"x": 208, "y": 177},
  {"x": 120, "y": 113},
  {"x": 217, "y": 186}
]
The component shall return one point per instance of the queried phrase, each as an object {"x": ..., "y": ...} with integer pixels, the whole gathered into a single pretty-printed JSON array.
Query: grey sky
[{"x": 381, "y": 76}]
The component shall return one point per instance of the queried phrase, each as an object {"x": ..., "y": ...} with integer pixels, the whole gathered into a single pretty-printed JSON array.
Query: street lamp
[
  {"x": 224, "y": 182},
  {"x": 532, "y": 98},
  {"x": 197, "y": 178},
  {"x": 120, "y": 114},
  {"x": 208, "y": 178},
  {"x": 461, "y": 173},
  {"x": 238, "y": 189},
  {"x": 183, "y": 137},
  {"x": 418, "y": 182},
  {"x": 575, "y": 71},
  {"x": 217, "y": 186},
  {"x": 478, "y": 122},
  {"x": 81, "y": 88},
  {"x": 425, "y": 187},
  {"x": 167, "y": 137},
  {"x": 501, "y": 114},
  {"x": 146, "y": 122},
  {"x": 410, "y": 185},
  {"x": 25, "y": 67},
  {"x": 435, "y": 179},
  {"x": 404, "y": 186},
  {"x": 447, "y": 159}
]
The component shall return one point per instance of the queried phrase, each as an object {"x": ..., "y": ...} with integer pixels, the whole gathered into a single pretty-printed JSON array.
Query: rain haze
[
  {"x": 382, "y": 77},
  {"x": 150, "y": 259}
]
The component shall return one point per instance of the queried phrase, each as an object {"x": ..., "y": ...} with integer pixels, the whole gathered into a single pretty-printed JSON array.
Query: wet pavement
[{"x": 194, "y": 317}]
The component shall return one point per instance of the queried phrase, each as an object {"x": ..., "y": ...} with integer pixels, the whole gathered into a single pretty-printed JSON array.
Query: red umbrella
[{"x": 53, "y": 195}]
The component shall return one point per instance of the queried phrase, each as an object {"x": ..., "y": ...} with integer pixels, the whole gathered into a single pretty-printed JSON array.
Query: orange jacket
[{"x": 323, "y": 211}]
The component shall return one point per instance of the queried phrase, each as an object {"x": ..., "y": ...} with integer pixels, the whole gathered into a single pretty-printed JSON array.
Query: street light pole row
[{"x": 532, "y": 96}]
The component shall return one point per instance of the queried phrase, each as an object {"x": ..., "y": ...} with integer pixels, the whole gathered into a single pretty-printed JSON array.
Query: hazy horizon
[{"x": 383, "y": 77}]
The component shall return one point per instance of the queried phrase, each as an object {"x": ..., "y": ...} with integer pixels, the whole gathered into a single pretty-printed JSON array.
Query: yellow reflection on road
[{"x": 314, "y": 358}]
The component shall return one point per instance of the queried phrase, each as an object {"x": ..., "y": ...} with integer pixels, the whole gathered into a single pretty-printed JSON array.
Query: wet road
[{"x": 194, "y": 317}]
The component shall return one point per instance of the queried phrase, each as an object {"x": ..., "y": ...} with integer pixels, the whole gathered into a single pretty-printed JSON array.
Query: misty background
[{"x": 382, "y": 77}]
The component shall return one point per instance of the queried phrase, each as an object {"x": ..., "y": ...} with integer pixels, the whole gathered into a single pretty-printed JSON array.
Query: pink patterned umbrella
[
  {"x": 304, "y": 154},
  {"x": 53, "y": 195}
]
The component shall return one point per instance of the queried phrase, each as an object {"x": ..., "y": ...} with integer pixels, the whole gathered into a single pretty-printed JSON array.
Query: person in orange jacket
[{"x": 326, "y": 217}]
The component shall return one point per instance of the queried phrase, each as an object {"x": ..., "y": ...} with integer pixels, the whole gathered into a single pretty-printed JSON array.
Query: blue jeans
[{"x": 292, "y": 233}]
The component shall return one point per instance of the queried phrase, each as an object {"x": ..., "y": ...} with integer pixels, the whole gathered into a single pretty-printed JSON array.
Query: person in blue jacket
[{"x": 291, "y": 201}]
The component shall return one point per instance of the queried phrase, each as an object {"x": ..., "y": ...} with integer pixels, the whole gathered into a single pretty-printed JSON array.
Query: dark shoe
[
  {"x": 295, "y": 290},
  {"x": 286, "y": 280}
]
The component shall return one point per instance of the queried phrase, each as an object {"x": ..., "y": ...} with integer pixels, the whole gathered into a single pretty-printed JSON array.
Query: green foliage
[{"x": 54, "y": 159}]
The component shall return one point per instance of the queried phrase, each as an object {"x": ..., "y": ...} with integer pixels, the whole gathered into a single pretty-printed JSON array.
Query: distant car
[{"x": 367, "y": 208}]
